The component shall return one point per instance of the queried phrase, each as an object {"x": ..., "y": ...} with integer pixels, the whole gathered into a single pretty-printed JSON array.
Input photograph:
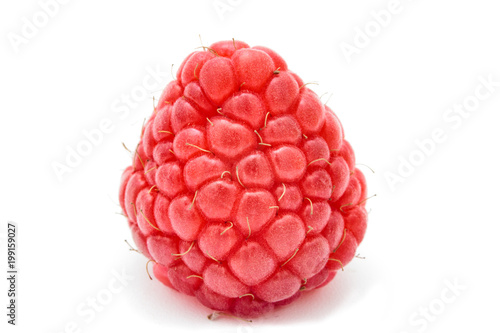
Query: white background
[{"x": 441, "y": 224}]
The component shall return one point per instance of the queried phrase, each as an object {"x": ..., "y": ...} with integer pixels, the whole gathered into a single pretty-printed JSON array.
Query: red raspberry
[{"x": 243, "y": 190}]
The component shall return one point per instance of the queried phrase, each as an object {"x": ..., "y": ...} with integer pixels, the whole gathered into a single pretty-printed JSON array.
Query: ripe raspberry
[{"x": 243, "y": 190}]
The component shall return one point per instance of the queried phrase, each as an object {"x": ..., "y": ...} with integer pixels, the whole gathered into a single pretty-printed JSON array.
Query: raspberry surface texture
[{"x": 242, "y": 189}]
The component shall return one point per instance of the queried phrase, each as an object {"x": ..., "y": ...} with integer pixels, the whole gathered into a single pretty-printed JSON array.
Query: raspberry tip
[
  {"x": 366, "y": 166},
  {"x": 343, "y": 238},
  {"x": 151, "y": 224},
  {"x": 131, "y": 248},
  {"x": 194, "y": 72},
  {"x": 340, "y": 262},
  {"x": 319, "y": 159},
  {"x": 206, "y": 151},
  {"x": 222, "y": 175},
  {"x": 237, "y": 176},
  {"x": 265, "y": 120},
  {"x": 194, "y": 198},
  {"x": 138, "y": 155},
  {"x": 135, "y": 209},
  {"x": 341, "y": 207},
  {"x": 310, "y": 201},
  {"x": 253, "y": 297},
  {"x": 145, "y": 172},
  {"x": 359, "y": 203},
  {"x": 182, "y": 254},
  {"x": 227, "y": 228},
  {"x": 260, "y": 138},
  {"x": 293, "y": 255},
  {"x": 152, "y": 187},
  {"x": 249, "y": 229},
  {"x": 147, "y": 270},
  {"x": 211, "y": 257},
  {"x": 305, "y": 84},
  {"x": 126, "y": 148},
  {"x": 284, "y": 190}
]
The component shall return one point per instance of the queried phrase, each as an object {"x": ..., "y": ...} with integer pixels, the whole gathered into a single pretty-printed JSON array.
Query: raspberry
[{"x": 243, "y": 190}]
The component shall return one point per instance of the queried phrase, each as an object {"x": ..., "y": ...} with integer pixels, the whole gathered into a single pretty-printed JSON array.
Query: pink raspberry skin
[{"x": 243, "y": 190}]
